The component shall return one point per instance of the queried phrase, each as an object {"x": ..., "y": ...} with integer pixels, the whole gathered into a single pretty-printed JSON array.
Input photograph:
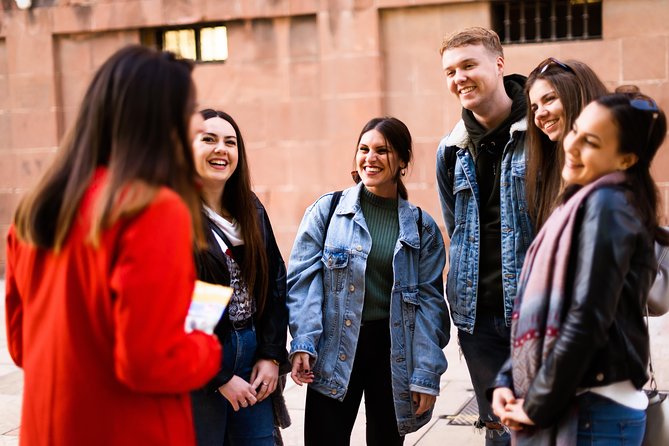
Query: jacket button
[
  {"x": 347, "y": 322},
  {"x": 333, "y": 391},
  {"x": 342, "y": 357},
  {"x": 469, "y": 283},
  {"x": 358, "y": 248},
  {"x": 599, "y": 377},
  {"x": 330, "y": 261},
  {"x": 351, "y": 288}
]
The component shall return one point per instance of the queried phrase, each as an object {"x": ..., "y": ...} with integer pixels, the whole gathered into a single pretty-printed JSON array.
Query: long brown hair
[
  {"x": 576, "y": 85},
  {"x": 134, "y": 120},
  {"x": 241, "y": 202}
]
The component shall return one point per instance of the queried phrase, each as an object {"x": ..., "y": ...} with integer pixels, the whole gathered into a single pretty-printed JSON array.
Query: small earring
[{"x": 403, "y": 172}]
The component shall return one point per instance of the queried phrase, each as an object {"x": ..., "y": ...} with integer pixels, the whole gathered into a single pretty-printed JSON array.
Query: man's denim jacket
[
  {"x": 460, "y": 203},
  {"x": 326, "y": 289}
]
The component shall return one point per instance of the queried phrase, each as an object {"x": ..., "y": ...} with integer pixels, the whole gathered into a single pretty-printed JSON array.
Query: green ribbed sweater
[{"x": 384, "y": 227}]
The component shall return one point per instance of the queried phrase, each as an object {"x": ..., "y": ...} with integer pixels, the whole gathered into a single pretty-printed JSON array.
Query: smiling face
[
  {"x": 377, "y": 164},
  {"x": 591, "y": 147},
  {"x": 215, "y": 153},
  {"x": 473, "y": 75},
  {"x": 549, "y": 115}
]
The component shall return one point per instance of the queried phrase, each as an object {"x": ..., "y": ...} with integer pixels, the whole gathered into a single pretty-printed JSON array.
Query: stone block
[
  {"x": 304, "y": 37},
  {"x": 74, "y": 53},
  {"x": 603, "y": 56},
  {"x": 304, "y": 79},
  {"x": 8, "y": 202},
  {"x": 31, "y": 165},
  {"x": 32, "y": 91},
  {"x": 5, "y": 131},
  {"x": 343, "y": 32},
  {"x": 622, "y": 18},
  {"x": 353, "y": 75},
  {"x": 644, "y": 58},
  {"x": 34, "y": 128},
  {"x": 7, "y": 170}
]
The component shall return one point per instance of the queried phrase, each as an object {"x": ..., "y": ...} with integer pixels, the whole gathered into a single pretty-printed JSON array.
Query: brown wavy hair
[{"x": 134, "y": 120}]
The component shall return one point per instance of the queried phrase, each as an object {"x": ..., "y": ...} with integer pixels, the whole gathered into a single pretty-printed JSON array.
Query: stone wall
[{"x": 302, "y": 78}]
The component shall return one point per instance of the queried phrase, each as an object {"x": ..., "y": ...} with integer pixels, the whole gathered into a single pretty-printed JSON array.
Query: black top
[
  {"x": 488, "y": 151},
  {"x": 272, "y": 326}
]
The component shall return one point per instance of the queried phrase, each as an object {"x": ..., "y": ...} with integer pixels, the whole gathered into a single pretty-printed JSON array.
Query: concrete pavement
[{"x": 455, "y": 392}]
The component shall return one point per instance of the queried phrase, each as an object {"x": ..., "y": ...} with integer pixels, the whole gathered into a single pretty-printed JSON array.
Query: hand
[
  {"x": 264, "y": 377},
  {"x": 423, "y": 402},
  {"x": 239, "y": 393},
  {"x": 500, "y": 398},
  {"x": 516, "y": 417},
  {"x": 301, "y": 372}
]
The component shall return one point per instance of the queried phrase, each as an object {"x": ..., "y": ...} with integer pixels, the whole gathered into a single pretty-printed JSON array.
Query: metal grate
[
  {"x": 534, "y": 21},
  {"x": 467, "y": 415}
]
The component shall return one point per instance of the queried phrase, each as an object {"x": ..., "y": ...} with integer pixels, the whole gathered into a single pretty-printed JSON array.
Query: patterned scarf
[{"x": 540, "y": 301}]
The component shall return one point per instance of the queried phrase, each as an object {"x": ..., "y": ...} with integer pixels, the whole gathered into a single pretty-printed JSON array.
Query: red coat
[{"x": 100, "y": 332}]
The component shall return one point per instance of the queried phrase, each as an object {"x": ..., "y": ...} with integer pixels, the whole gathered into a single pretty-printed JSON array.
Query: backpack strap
[
  {"x": 333, "y": 205},
  {"x": 450, "y": 157}
]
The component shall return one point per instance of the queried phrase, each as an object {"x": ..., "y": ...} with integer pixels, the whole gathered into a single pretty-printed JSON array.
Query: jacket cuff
[
  {"x": 302, "y": 345},
  {"x": 222, "y": 377},
  {"x": 424, "y": 381}
]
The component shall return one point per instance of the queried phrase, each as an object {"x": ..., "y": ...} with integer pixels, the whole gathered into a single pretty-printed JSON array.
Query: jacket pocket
[
  {"x": 335, "y": 267},
  {"x": 410, "y": 305}
]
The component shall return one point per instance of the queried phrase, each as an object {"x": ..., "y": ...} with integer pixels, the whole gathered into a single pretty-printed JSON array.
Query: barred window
[
  {"x": 533, "y": 21},
  {"x": 202, "y": 43}
]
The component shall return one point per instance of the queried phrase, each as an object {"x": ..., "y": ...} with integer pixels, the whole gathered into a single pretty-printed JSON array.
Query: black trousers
[{"x": 328, "y": 421}]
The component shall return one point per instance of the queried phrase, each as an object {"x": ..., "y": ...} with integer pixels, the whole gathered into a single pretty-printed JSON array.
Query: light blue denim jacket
[
  {"x": 460, "y": 206},
  {"x": 326, "y": 289}
]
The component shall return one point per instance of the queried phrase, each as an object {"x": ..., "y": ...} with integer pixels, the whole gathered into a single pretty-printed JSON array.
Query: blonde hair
[{"x": 475, "y": 35}]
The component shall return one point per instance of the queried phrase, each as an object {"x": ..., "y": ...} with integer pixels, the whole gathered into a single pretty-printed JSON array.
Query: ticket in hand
[{"x": 208, "y": 305}]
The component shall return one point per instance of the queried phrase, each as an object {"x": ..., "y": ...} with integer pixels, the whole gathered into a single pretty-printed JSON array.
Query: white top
[
  {"x": 231, "y": 229},
  {"x": 622, "y": 392}
]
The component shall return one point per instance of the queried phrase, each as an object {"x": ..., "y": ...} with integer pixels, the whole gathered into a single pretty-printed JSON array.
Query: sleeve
[
  {"x": 432, "y": 330},
  {"x": 504, "y": 378},
  {"x": 273, "y": 325},
  {"x": 152, "y": 282},
  {"x": 305, "y": 281},
  {"x": 445, "y": 188},
  {"x": 13, "y": 303},
  {"x": 602, "y": 253}
]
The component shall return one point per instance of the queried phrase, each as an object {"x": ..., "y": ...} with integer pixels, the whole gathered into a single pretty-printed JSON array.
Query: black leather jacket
[
  {"x": 272, "y": 327},
  {"x": 603, "y": 338}
]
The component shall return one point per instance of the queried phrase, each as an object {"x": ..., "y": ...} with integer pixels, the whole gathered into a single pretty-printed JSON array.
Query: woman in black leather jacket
[
  {"x": 579, "y": 341},
  {"x": 242, "y": 253}
]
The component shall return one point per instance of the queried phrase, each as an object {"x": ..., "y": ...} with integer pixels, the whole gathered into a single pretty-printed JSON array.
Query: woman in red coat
[{"x": 100, "y": 272}]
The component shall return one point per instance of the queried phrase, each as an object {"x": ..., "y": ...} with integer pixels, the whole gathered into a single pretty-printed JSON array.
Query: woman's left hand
[
  {"x": 264, "y": 378},
  {"x": 423, "y": 402},
  {"x": 515, "y": 416}
]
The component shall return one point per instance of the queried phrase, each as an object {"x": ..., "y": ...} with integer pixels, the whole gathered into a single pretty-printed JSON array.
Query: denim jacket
[
  {"x": 326, "y": 289},
  {"x": 460, "y": 207}
]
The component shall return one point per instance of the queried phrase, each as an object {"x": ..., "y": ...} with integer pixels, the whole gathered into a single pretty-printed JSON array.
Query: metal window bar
[
  {"x": 537, "y": 21},
  {"x": 569, "y": 19},
  {"x": 553, "y": 20},
  {"x": 585, "y": 19},
  {"x": 522, "y": 22},
  {"x": 507, "y": 22}
]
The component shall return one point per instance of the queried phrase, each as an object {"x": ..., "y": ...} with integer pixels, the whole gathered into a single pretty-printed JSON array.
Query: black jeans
[{"x": 328, "y": 421}]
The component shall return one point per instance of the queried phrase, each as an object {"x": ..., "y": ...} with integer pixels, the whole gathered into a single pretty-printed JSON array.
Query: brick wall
[{"x": 302, "y": 78}]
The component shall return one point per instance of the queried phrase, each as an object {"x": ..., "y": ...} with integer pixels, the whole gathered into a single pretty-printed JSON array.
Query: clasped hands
[
  {"x": 509, "y": 409},
  {"x": 241, "y": 394}
]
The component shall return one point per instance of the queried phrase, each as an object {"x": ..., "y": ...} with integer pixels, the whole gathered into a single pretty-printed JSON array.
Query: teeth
[
  {"x": 218, "y": 163},
  {"x": 372, "y": 169},
  {"x": 550, "y": 124},
  {"x": 466, "y": 90}
]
